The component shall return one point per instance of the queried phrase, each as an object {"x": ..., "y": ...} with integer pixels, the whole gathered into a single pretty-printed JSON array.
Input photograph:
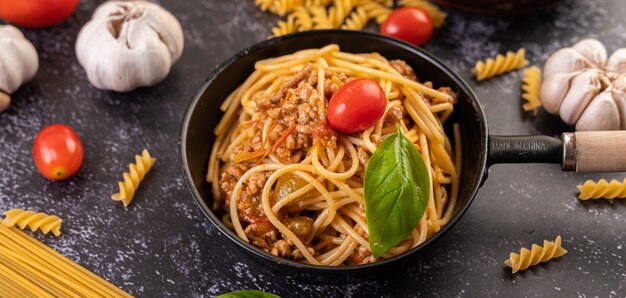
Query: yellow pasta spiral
[
  {"x": 531, "y": 87},
  {"x": 283, "y": 7},
  {"x": 303, "y": 18},
  {"x": 536, "y": 255},
  {"x": 375, "y": 10},
  {"x": 357, "y": 19},
  {"x": 602, "y": 189},
  {"x": 285, "y": 27},
  {"x": 502, "y": 64},
  {"x": 22, "y": 218},
  {"x": 437, "y": 16},
  {"x": 143, "y": 164},
  {"x": 321, "y": 18},
  {"x": 340, "y": 10}
]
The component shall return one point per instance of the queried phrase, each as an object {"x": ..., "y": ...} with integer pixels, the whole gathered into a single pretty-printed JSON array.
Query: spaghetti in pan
[{"x": 290, "y": 184}]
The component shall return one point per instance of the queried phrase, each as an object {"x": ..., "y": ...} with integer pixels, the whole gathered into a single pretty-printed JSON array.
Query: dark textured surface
[{"x": 162, "y": 245}]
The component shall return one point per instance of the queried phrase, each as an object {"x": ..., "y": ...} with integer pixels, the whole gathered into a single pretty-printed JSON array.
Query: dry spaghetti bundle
[
  {"x": 293, "y": 187},
  {"x": 29, "y": 268}
]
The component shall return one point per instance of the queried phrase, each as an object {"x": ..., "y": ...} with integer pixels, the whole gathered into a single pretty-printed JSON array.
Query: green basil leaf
[
  {"x": 397, "y": 188},
  {"x": 247, "y": 294}
]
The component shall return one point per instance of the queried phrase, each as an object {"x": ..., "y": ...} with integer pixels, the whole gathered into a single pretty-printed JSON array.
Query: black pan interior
[{"x": 204, "y": 114}]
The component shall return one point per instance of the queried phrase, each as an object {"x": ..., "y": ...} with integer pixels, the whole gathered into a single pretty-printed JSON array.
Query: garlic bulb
[
  {"x": 18, "y": 62},
  {"x": 585, "y": 88},
  {"x": 129, "y": 44}
]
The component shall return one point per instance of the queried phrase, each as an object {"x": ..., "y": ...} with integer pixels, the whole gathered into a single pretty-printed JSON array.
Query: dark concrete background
[{"x": 163, "y": 246}]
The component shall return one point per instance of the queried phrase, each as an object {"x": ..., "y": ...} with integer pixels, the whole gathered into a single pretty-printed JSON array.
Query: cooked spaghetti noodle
[{"x": 292, "y": 186}]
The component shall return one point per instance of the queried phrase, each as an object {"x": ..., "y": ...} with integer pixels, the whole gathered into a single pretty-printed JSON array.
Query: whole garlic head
[
  {"x": 585, "y": 88},
  {"x": 18, "y": 62},
  {"x": 129, "y": 44}
]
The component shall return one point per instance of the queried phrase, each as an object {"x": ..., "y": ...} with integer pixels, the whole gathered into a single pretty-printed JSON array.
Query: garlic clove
[
  {"x": 601, "y": 114},
  {"x": 553, "y": 91},
  {"x": 583, "y": 87},
  {"x": 129, "y": 44},
  {"x": 18, "y": 59},
  {"x": 617, "y": 61},
  {"x": 593, "y": 50},
  {"x": 618, "y": 91},
  {"x": 563, "y": 61}
]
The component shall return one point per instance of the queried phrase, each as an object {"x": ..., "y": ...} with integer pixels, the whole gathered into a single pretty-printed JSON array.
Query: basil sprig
[
  {"x": 247, "y": 294},
  {"x": 397, "y": 188}
]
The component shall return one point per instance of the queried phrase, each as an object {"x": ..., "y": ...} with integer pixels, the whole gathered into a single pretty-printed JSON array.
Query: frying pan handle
[
  {"x": 583, "y": 151},
  {"x": 524, "y": 149},
  {"x": 595, "y": 151}
]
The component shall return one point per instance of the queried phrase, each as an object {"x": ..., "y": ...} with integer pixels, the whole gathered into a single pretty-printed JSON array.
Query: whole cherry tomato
[
  {"x": 36, "y": 13},
  {"x": 356, "y": 106},
  {"x": 410, "y": 24},
  {"x": 58, "y": 152}
]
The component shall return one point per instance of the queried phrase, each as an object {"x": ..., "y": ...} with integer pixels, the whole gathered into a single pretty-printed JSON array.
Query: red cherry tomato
[
  {"x": 410, "y": 24},
  {"x": 36, "y": 13},
  {"x": 58, "y": 152},
  {"x": 356, "y": 106}
]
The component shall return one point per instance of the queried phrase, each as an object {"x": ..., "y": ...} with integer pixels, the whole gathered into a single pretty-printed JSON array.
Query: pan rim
[{"x": 482, "y": 160}]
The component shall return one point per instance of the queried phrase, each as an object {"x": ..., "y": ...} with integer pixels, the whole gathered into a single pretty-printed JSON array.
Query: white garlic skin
[
  {"x": 129, "y": 44},
  {"x": 554, "y": 89},
  {"x": 19, "y": 62},
  {"x": 617, "y": 61},
  {"x": 583, "y": 87},
  {"x": 601, "y": 114},
  {"x": 593, "y": 50},
  {"x": 564, "y": 60},
  {"x": 619, "y": 95}
]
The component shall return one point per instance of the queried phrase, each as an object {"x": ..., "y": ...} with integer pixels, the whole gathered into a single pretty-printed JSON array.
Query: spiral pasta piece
[
  {"x": 531, "y": 86},
  {"x": 375, "y": 10},
  {"x": 35, "y": 221},
  {"x": 537, "y": 254},
  {"x": 321, "y": 18},
  {"x": 340, "y": 11},
  {"x": 602, "y": 189},
  {"x": 283, "y": 7},
  {"x": 357, "y": 19},
  {"x": 437, "y": 16},
  {"x": 502, "y": 64},
  {"x": 285, "y": 27},
  {"x": 137, "y": 171}
]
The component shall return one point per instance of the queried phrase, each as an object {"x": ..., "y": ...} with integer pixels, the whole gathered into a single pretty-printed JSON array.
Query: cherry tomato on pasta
[
  {"x": 36, "y": 13},
  {"x": 356, "y": 106},
  {"x": 58, "y": 152},
  {"x": 410, "y": 24}
]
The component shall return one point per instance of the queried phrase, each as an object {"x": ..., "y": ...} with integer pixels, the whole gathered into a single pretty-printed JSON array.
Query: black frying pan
[{"x": 479, "y": 149}]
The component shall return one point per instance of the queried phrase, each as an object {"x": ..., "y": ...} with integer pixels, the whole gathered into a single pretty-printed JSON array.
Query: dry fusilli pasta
[
  {"x": 602, "y": 189},
  {"x": 375, "y": 10},
  {"x": 23, "y": 218},
  {"x": 340, "y": 10},
  {"x": 502, "y": 64},
  {"x": 299, "y": 20},
  {"x": 357, "y": 19},
  {"x": 143, "y": 164},
  {"x": 531, "y": 87},
  {"x": 437, "y": 16},
  {"x": 283, "y": 7},
  {"x": 536, "y": 255},
  {"x": 321, "y": 18},
  {"x": 285, "y": 27}
]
